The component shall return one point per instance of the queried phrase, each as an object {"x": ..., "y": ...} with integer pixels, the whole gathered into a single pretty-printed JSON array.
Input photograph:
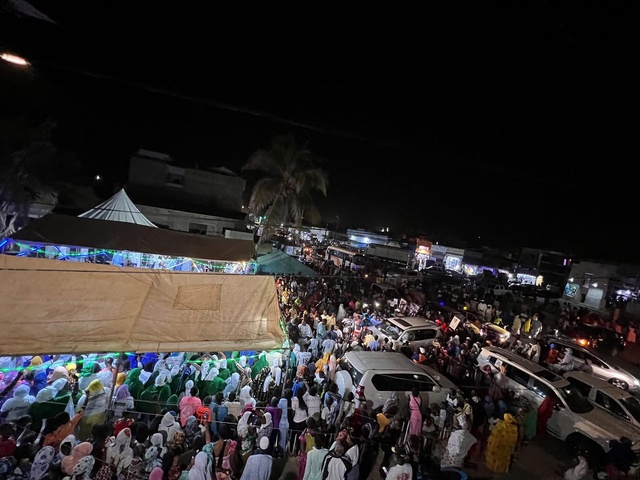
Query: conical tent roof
[{"x": 118, "y": 208}]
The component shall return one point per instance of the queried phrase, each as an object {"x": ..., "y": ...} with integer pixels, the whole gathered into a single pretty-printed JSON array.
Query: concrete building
[
  {"x": 551, "y": 268},
  {"x": 202, "y": 201}
]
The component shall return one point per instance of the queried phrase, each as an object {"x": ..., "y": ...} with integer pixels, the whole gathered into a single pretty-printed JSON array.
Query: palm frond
[{"x": 264, "y": 192}]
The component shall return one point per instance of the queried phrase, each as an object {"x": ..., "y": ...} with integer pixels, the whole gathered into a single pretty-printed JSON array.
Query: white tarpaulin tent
[
  {"x": 49, "y": 307},
  {"x": 118, "y": 208}
]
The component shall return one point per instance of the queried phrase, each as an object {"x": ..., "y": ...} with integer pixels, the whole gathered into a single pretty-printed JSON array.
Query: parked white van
[
  {"x": 575, "y": 419},
  {"x": 381, "y": 373}
]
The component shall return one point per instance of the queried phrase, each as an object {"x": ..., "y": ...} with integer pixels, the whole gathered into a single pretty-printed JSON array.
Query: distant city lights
[{"x": 15, "y": 59}]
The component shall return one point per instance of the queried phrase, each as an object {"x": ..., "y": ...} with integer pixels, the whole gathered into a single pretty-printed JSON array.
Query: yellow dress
[{"x": 501, "y": 445}]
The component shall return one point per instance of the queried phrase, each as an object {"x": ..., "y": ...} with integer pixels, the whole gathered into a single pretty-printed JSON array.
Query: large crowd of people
[{"x": 246, "y": 414}]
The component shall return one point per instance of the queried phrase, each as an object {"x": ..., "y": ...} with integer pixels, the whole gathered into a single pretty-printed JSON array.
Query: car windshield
[
  {"x": 575, "y": 400},
  {"x": 632, "y": 405},
  {"x": 390, "y": 330}
]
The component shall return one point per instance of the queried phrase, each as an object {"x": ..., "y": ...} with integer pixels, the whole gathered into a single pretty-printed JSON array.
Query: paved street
[{"x": 540, "y": 460}]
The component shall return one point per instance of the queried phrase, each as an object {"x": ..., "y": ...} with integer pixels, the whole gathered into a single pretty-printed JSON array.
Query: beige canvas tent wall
[{"x": 49, "y": 306}]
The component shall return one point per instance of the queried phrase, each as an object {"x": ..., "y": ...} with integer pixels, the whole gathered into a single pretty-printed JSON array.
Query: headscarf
[
  {"x": 161, "y": 379},
  {"x": 87, "y": 369},
  {"x": 191, "y": 428},
  {"x": 58, "y": 372},
  {"x": 156, "y": 474},
  {"x": 123, "y": 392},
  {"x": 120, "y": 379},
  {"x": 71, "y": 367},
  {"x": 245, "y": 396},
  {"x": 243, "y": 424},
  {"x": 95, "y": 387},
  {"x": 105, "y": 377},
  {"x": 83, "y": 468},
  {"x": 79, "y": 451},
  {"x": 187, "y": 388},
  {"x": 199, "y": 471},
  {"x": 120, "y": 453},
  {"x": 42, "y": 463},
  {"x": 50, "y": 392},
  {"x": 154, "y": 452},
  {"x": 36, "y": 361},
  {"x": 213, "y": 373}
]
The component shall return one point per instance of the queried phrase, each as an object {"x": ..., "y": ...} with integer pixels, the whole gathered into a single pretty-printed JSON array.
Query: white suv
[
  {"x": 615, "y": 400},
  {"x": 575, "y": 419},
  {"x": 418, "y": 331},
  {"x": 600, "y": 368},
  {"x": 381, "y": 373}
]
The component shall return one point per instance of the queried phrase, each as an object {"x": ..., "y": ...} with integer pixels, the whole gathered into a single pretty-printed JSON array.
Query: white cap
[{"x": 264, "y": 443}]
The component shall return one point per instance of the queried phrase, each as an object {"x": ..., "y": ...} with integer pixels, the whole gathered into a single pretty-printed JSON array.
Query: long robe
[{"x": 502, "y": 444}]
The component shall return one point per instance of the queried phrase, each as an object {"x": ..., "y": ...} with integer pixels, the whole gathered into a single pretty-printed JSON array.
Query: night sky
[{"x": 508, "y": 125}]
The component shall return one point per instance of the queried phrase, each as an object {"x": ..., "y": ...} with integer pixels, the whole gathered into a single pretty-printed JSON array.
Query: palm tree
[{"x": 284, "y": 193}]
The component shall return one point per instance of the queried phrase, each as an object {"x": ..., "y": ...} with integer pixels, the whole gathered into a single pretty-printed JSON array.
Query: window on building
[{"x": 198, "y": 228}]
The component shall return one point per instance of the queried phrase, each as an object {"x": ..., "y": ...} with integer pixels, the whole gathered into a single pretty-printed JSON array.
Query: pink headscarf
[{"x": 156, "y": 474}]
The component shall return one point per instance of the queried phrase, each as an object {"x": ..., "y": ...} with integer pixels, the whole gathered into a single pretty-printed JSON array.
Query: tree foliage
[{"x": 290, "y": 177}]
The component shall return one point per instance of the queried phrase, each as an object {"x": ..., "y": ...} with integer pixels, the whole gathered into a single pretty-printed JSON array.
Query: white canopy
[
  {"x": 51, "y": 306},
  {"x": 118, "y": 208}
]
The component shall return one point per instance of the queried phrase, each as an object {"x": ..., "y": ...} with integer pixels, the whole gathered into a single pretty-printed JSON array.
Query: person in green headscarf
[
  {"x": 232, "y": 361},
  {"x": 212, "y": 384},
  {"x": 154, "y": 398},
  {"x": 223, "y": 371},
  {"x": 171, "y": 405},
  {"x": 133, "y": 382},
  {"x": 259, "y": 365},
  {"x": 88, "y": 374}
]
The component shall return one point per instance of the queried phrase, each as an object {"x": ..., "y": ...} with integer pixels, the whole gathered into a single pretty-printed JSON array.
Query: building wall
[
  {"x": 191, "y": 222},
  {"x": 199, "y": 186}
]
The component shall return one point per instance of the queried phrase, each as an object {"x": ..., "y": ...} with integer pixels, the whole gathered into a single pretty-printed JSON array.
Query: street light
[{"x": 15, "y": 59}]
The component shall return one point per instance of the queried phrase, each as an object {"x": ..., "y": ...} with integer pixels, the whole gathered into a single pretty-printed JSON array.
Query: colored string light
[
  {"x": 212, "y": 266},
  {"x": 116, "y": 355}
]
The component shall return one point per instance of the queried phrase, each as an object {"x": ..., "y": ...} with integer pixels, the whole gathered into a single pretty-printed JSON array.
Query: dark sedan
[{"x": 597, "y": 337}]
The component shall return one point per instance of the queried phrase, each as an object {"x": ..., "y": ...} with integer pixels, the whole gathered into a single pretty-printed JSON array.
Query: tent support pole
[{"x": 115, "y": 378}]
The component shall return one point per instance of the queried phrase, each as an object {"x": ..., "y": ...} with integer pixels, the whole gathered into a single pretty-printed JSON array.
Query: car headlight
[
  {"x": 505, "y": 336},
  {"x": 636, "y": 382}
]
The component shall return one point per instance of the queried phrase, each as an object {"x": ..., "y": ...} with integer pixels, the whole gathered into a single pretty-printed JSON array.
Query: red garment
[
  {"x": 7, "y": 447},
  {"x": 121, "y": 424},
  {"x": 545, "y": 410}
]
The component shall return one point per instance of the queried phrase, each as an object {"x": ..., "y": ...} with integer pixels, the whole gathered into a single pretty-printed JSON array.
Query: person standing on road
[
  {"x": 536, "y": 326},
  {"x": 415, "y": 409},
  {"x": 516, "y": 327}
]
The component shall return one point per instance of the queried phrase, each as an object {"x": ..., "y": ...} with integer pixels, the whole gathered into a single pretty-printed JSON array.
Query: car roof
[
  {"x": 529, "y": 365},
  {"x": 599, "y": 384},
  {"x": 364, "y": 360},
  {"x": 573, "y": 345},
  {"x": 408, "y": 322}
]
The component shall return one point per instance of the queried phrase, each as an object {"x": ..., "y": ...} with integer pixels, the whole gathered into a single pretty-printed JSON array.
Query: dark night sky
[{"x": 510, "y": 122}]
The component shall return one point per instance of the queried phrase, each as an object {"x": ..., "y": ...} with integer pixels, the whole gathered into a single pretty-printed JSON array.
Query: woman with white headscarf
[
  {"x": 169, "y": 425},
  {"x": 246, "y": 400},
  {"x": 49, "y": 392},
  {"x": 119, "y": 453},
  {"x": 341, "y": 315},
  {"x": 19, "y": 404},
  {"x": 187, "y": 390},
  {"x": 232, "y": 384},
  {"x": 201, "y": 470}
]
